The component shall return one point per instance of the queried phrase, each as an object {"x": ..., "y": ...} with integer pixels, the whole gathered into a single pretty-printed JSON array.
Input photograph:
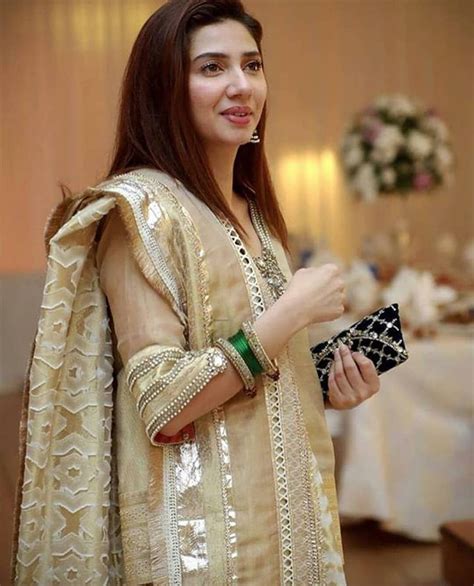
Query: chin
[
  {"x": 228, "y": 139},
  {"x": 238, "y": 139}
]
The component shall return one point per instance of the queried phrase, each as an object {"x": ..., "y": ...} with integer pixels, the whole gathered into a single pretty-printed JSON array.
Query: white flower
[
  {"x": 389, "y": 137},
  {"x": 353, "y": 157},
  {"x": 384, "y": 156},
  {"x": 436, "y": 127},
  {"x": 401, "y": 106},
  {"x": 386, "y": 144},
  {"x": 443, "y": 158},
  {"x": 419, "y": 145},
  {"x": 365, "y": 182},
  {"x": 388, "y": 176}
]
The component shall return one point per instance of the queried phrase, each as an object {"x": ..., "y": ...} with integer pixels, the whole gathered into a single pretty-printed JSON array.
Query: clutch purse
[{"x": 378, "y": 336}]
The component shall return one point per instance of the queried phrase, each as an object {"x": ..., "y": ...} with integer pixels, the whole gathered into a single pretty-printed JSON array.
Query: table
[{"x": 407, "y": 453}]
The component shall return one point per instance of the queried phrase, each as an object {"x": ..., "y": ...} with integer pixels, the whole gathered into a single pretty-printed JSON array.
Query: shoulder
[
  {"x": 149, "y": 195},
  {"x": 143, "y": 221},
  {"x": 140, "y": 184}
]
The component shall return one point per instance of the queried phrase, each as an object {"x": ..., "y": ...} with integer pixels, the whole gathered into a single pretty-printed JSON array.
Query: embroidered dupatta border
[{"x": 200, "y": 331}]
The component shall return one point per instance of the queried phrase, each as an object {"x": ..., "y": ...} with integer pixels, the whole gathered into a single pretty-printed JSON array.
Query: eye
[
  {"x": 256, "y": 65},
  {"x": 210, "y": 67}
]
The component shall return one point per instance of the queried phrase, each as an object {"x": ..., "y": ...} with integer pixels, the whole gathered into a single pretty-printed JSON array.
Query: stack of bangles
[{"x": 246, "y": 353}]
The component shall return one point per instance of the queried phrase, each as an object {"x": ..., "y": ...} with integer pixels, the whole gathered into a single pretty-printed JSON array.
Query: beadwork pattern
[
  {"x": 197, "y": 271},
  {"x": 378, "y": 336},
  {"x": 269, "y": 368},
  {"x": 272, "y": 395},
  {"x": 238, "y": 362}
]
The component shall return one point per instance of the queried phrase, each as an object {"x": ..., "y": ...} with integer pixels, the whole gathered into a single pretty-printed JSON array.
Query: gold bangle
[
  {"x": 239, "y": 364},
  {"x": 270, "y": 367}
]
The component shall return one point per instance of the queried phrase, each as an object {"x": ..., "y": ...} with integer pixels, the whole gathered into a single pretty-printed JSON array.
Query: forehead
[{"x": 229, "y": 37}]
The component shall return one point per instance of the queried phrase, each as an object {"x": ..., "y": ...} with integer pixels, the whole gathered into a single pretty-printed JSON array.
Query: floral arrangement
[{"x": 396, "y": 146}]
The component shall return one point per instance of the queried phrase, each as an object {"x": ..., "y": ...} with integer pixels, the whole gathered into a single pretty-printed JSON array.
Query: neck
[{"x": 222, "y": 165}]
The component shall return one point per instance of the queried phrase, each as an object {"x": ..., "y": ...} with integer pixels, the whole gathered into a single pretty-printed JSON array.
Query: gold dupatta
[{"x": 67, "y": 525}]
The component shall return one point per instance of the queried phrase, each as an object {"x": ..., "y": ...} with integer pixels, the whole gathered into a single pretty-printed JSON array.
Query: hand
[
  {"x": 352, "y": 379},
  {"x": 314, "y": 295}
]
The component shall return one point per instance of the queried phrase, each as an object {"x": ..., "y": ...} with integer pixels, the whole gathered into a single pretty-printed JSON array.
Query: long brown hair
[{"x": 155, "y": 128}]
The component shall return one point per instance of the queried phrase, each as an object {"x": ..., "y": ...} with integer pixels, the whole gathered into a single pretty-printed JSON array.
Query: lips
[
  {"x": 238, "y": 115},
  {"x": 238, "y": 111}
]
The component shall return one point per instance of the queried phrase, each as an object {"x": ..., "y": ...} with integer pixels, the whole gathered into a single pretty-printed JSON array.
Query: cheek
[
  {"x": 261, "y": 94},
  {"x": 202, "y": 95}
]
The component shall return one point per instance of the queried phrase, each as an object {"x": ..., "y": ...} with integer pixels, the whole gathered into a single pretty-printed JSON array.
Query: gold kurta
[{"x": 251, "y": 498}]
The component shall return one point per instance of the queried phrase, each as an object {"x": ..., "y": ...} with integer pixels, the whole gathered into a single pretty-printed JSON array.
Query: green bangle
[{"x": 240, "y": 343}]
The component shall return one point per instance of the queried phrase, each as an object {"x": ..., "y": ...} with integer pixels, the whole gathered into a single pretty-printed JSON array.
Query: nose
[{"x": 239, "y": 84}]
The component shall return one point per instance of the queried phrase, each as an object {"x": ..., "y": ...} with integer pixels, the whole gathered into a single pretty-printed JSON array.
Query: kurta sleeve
[{"x": 161, "y": 373}]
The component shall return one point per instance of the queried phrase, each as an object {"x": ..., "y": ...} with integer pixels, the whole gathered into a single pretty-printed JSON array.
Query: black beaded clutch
[{"x": 378, "y": 336}]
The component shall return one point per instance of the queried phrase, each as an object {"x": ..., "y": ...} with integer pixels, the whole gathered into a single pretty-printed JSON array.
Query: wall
[{"x": 61, "y": 65}]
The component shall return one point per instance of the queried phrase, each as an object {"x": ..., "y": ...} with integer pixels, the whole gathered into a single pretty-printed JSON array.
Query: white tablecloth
[{"x": 408, "y": 451}]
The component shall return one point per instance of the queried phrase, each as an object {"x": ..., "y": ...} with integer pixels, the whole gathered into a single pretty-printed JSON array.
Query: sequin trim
[
  {"x": 217, "y": 363},
  {"x": 226, "y": 488},
  {"x": 267, "y": 264},
  {"x": 188, "y": 226},
  {"x": 218, "y": 414},
  {"x": 272, "y": 396},
  {"x": 146, "y": 365},
  {"x": 270, "y": 367},
  {"x": 238, "y": 362},
  {"x": 172, "y": 536}
]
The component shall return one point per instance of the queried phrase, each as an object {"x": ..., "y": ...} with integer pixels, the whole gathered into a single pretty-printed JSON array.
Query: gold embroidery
[
  {"x": 170, "y": 509},
  {"x": 272, "y": 392},
  {"x": 226, "y": 488},
  {"x": 149, "y": 363},
  {"x": 201, "y": 335},
  {"x": 216, "y": 364},
  {"x": 267, "y": 264},
  {"x": 134, "y": 519},
  {"x": 239, "y": 364},
  {"x": 158, "y": 401}
]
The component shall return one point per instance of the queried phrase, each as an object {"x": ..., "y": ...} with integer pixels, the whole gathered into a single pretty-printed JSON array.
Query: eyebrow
[{"x": 225, "y": 56}]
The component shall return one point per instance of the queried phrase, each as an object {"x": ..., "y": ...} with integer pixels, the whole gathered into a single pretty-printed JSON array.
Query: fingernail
[{"x": 343, "y": 347}]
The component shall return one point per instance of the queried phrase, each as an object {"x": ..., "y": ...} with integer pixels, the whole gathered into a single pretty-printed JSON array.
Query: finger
[
  {"x": 336, "y": 398},
  {"x": 367, "y": 371},
  {"x": 351, "y": 369},
  {"x": 340, "y": 375}
]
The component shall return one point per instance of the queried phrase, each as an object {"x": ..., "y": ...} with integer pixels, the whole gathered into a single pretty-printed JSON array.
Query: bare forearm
[{"x": 274, "y": 328}]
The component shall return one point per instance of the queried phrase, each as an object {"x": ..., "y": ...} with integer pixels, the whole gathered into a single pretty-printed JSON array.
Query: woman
[{"x": 174, "y": 429}]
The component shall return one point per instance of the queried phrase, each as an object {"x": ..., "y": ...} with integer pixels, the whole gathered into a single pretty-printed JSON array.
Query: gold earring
[{"x": 255, "y": 138}]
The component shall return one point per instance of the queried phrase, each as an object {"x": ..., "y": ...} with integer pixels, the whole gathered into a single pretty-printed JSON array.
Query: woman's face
[{"x": 227, "y": 86}]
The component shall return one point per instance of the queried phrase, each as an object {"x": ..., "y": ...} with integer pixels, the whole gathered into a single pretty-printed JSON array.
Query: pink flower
[
  {"x": 422, "y": 181},
  {"x": 371, "y": 129}
]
